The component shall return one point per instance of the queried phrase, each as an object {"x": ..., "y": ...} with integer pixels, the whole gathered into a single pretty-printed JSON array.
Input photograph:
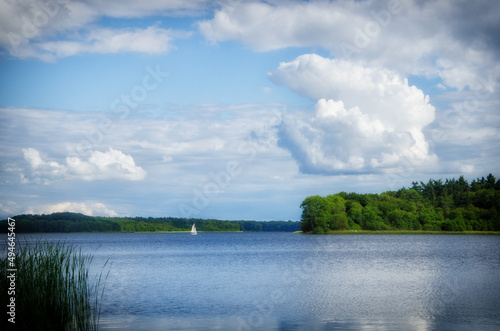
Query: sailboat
[{"x": 193, "y": 230}]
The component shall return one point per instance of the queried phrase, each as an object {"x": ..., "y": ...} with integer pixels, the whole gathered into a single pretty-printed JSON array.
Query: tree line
[
  {"x": 76, "y": 222},
  {"x": 452, "y": 205}
]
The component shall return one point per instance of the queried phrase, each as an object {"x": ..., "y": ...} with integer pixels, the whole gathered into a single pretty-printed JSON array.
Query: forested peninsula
[
  {"x": 452, "y": 205},
  {"x": 75, "y": 222}
]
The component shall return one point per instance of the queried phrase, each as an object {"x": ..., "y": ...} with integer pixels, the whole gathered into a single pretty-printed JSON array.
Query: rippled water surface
[{"x": 284, "y": 281}]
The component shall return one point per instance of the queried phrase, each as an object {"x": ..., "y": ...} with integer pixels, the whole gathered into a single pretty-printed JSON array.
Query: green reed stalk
[{"x": 53, "y": 288}]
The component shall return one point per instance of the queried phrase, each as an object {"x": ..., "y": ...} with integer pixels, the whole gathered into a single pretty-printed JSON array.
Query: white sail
[{"x": 193, "y": 230}]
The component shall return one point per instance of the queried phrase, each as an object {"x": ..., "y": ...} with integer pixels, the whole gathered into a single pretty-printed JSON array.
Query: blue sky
[{"x": 240, "y": 109}]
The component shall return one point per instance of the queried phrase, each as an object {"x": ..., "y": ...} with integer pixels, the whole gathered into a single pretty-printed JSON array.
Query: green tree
[
  {"x": 371, "y": 219},
  {"x": 354, "y": 211},
  {"x": 339, "y": 221},
  {"x": 336, "y": 208},
  {"x": 315, "y": 214}
]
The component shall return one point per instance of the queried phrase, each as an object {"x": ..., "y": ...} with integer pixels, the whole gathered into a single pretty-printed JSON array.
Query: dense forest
[
  {"x": 74, "y": 222},
  {"x": 452, "y": 205}
]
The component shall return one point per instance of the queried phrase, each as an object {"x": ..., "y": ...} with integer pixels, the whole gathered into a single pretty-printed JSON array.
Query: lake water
[{"x": 285, "y": 281}]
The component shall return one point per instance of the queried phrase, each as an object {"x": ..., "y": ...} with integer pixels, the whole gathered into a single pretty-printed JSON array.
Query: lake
[{"x": 285, "y": 281}]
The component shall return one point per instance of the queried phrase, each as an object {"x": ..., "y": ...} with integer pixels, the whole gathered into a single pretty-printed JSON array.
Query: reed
[{"x": 53, "y": 288}]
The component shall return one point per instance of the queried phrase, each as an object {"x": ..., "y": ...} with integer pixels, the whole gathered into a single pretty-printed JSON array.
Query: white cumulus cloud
[
  {"x": 110, "y": 165},
  {"x": 366, "y": 119},
  {"x": 376, "y": 91},
  {"x": 42, "y": 171}
]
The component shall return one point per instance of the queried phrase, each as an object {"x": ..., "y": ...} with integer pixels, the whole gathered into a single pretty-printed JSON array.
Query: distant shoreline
[
  {"x": 67, "y": 222},
  {"x": 190, "y": 231},
  {"x": 413, "y": 232},
  {"x": 121, "y": 232}
]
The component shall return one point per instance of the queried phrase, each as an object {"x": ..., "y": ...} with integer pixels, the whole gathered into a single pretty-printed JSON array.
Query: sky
[{"x": 239, "y": 110}]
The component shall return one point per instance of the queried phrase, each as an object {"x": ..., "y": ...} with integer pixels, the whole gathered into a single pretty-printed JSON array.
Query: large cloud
[
  {"x": 27, "y": 27},
  {"x": 379, "y": 92},
  {"x": 336, "y": 140},
  {"x": 265, "y": 27},
  {"x": 110, "y": 165},
  {"x": 455, "y": 40},
  {"x": 372, "y": 121}
]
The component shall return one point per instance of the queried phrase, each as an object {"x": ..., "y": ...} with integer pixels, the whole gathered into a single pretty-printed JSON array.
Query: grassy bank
[
  {"x": 53, "y": 288},
  {"x": 410, "y": 232}
]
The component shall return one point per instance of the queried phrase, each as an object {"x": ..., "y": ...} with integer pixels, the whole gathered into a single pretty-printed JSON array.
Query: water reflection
[
  {"x": 371, "y": 277},
  {"x": 361, "y": 324}
]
